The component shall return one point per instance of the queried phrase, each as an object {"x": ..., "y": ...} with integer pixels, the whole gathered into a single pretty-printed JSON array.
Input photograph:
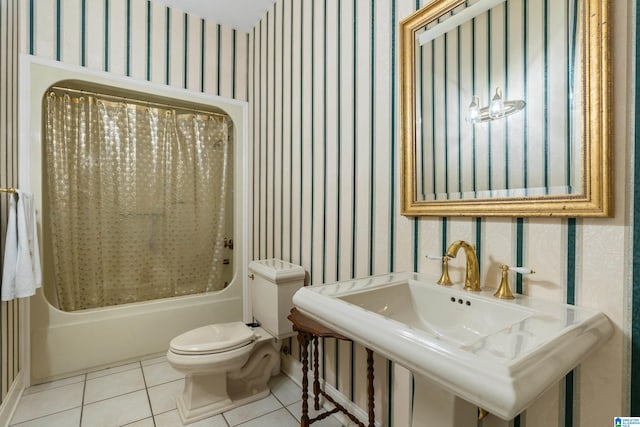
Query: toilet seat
[{"x": 212, "y": 339}]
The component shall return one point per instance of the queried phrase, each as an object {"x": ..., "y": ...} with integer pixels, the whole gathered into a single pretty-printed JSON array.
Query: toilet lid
[{"x": 214, "y": 338}]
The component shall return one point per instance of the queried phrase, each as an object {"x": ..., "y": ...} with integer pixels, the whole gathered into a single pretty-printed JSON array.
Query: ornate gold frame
[{"x": 596, "y": 199}]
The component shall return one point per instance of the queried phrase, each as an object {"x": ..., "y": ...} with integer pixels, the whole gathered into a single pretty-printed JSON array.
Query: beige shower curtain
[{"x": 136, "y": 200}]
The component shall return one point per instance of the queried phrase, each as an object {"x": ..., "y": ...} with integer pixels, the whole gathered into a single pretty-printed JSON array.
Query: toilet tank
[{"x": 272, "y": 285}]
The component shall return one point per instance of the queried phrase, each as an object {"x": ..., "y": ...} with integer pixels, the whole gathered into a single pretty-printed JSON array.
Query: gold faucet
[
  {"x": 504, "y": 291},
  {"x": 472, "y": 279},
  {"x": 445, "y": 280}
]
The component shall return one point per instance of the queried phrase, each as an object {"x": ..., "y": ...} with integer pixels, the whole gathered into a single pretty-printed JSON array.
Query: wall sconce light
[
  {"x": 498, "y": 108},
  {"x": 474, "y": 110}
]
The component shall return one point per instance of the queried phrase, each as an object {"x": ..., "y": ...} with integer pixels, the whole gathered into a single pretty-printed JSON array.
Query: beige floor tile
[
  {"x": 114, "y": 370},
  {"x": 117, "y": 397},
  {"x": 54, "y": 384},
  {"x": 285, "y": 390},
  {"x": 113, "y": 385},
  {"x": 70, "y": 418},
  {"x": 147, "y": 422},
  {"x": 172, "y": 419},
  {"x": 163, "y": 396},
  {"x": 279, "y": 418},
  {"x": 117, "y": 411},
  {"x": 48, "y": 402},
  {"x": 252, "y": 410},
  {"x": 160, "y": 373}
]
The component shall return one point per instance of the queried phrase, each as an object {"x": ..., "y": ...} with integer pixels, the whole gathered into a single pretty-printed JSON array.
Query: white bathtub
[{"x": 66, "y": 343}]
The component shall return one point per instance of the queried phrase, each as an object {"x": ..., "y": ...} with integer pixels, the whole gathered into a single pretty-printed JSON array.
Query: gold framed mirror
[{"x": 505, "y": 109}]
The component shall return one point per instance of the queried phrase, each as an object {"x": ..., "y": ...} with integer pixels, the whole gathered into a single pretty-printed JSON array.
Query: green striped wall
[
  {"x": 324, "y": 156},
  {"x": 635, "y": 292},
  {"x": 10, "y": 355},
  {"x": 323, "y": 96},
  {"x": 317, "y": 199},
  {"x": 141, "y": 39}
]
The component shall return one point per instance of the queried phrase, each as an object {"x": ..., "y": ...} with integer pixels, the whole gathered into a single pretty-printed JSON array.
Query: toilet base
[
  {"x": 210, "y": 393},
  {"x": 188, "y": 416}
]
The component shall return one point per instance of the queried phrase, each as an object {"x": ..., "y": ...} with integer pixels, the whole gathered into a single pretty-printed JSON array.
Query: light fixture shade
[
  {"x": 497, "y": 104},
  {"x": 474, "y": 110}
]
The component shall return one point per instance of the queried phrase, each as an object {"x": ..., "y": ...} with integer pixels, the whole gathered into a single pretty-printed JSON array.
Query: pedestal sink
[{"x": 498, "y": 355}]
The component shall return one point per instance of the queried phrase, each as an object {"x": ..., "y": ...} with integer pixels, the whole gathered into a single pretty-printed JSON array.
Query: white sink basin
[{"x": 499, "y": 355}]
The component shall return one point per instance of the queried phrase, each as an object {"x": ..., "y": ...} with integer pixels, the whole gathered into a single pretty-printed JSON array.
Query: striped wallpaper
[
  {"x": 527, "y": 49},
  {"x": 10, "y": 340},
  {"x": 323, "y": 84},
  {"x": 141, "y": 39},
  {"x": 321, "y": 78},
  {"x": 635, "y": 291}
]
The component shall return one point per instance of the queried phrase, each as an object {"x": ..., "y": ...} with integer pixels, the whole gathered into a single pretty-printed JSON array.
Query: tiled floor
[{"x": 142, "y": 394}]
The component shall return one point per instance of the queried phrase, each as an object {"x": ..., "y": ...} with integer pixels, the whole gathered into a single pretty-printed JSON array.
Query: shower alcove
[{"x": 60, "y": 343}]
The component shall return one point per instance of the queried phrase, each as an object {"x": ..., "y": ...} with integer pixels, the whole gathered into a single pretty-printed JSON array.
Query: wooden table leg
[
  {"x": 309, "y": 332},
  {"x": 316, "y": 381},
  {"x": 304, "y": 341},
  {"x": 372, "y": 416}
]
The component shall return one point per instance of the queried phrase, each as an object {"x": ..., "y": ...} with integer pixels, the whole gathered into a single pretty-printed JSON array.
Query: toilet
[{"x": 229, "y": 364}]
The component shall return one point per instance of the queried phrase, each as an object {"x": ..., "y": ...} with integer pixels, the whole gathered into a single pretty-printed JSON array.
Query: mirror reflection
[{"x": 498, "y": 101}]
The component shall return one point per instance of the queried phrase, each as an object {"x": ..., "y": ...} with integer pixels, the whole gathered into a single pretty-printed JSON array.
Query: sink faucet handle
[
  {"x": 522, "y": 270},
  {"x": 504, "y": 291},
  {"x": 444, "y": 280}
]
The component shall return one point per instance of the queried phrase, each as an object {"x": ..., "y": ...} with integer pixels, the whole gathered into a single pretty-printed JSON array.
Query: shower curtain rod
[
  {"x": 135, "y": 101},
  {"x": 8, "y": 190}
]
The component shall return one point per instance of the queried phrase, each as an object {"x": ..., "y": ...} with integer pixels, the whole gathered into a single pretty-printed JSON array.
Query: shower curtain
[{"x": 136, "y": 198}]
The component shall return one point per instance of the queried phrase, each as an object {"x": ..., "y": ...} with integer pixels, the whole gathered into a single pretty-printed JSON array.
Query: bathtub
[
  {"x": 68, "y": 343},
  {"x": 58, "y": 344}
]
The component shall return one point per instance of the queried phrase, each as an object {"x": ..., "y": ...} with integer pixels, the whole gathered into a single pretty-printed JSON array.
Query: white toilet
[{"x": 229, "y": 364}]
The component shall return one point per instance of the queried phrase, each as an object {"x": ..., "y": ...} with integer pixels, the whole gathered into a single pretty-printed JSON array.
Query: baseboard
[
  {"x": 292, "y": 368},
  {"x": 11, "y": 400}
]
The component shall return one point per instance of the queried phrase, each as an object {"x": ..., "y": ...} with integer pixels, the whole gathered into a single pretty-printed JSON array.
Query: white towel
[
  {"x": 10, "y": 252},
  {"x": 22, "y": 275}
]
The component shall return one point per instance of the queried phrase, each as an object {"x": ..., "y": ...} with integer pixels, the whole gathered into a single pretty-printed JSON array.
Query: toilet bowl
[
  {"x": 222, "y": 373},
  {"x": 229, "y": 364}
]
